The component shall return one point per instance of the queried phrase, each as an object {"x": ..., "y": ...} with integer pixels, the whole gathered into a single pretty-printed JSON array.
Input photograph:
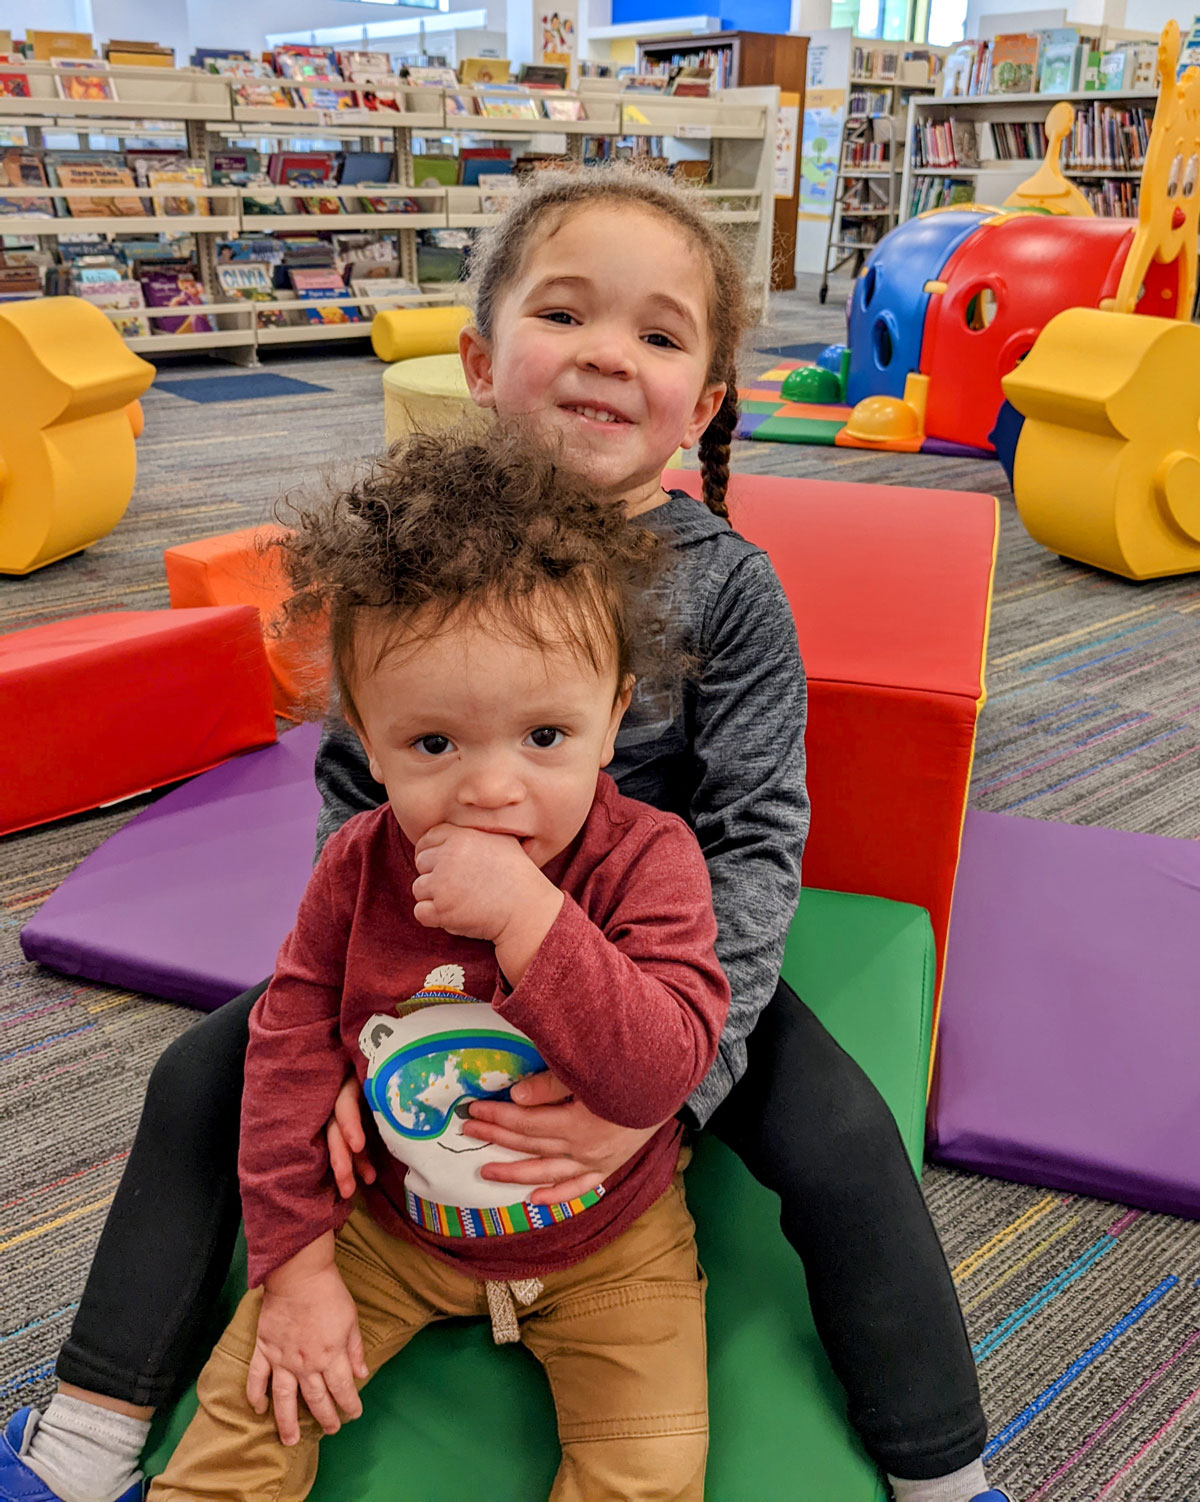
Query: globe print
[{"x": 422, "y": 1094}]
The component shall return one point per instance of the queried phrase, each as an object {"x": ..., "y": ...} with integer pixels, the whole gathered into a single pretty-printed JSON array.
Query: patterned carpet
[{"x": 1085, "y": 1318}]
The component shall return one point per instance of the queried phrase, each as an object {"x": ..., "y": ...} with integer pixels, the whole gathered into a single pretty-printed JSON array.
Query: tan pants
[{"x": 620, "y": 1335}]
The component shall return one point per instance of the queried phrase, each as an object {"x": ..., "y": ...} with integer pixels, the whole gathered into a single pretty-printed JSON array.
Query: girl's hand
[
  {"x": 308, "y": 1342},
  {"x": 347, "y": 1140},
  {"x": 572, "y": 1149}
]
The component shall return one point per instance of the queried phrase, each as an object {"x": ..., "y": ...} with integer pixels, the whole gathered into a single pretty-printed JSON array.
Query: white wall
[
  {"x": 1153, "y": 15},
  {"x": 163, "y": 21},
  {"x": 1080, "y": 13},
  {"x": 48, "y": 15}
]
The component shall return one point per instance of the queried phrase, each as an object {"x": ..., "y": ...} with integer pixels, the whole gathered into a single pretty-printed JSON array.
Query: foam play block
[
  {"x": 412, "y": 333},
  {"x": 779, "y": 1432},
  {"x": 192, "y": 898},
  {"x": 891, "y": 591},
  {"x": 100, "y": 707},
  {"x": 423, "y": 395},
  {"x": 69, "y": 414},
  {"x": 1069, "y": 1017},
  {"x": 239, "y": 568}
]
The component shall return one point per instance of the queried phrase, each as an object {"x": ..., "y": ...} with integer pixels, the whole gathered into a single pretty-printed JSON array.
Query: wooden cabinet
[{"x": 742, "y": 59}]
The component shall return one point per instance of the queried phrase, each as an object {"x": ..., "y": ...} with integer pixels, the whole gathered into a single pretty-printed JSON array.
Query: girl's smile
[{"x": 602, "y": 342}]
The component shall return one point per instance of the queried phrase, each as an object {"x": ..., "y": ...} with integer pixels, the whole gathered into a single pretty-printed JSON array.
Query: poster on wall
[
  {"x": 559, "y": 29},
  {"x": 824, "y": 117},
  {"x": 787, "y": 135},
  {"x": 827, "y": 80}
]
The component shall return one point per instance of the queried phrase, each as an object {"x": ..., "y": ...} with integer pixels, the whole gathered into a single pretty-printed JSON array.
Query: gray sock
[
  {"x": 962, "y": 1486},
  {"x": 85, "y": 1453}
]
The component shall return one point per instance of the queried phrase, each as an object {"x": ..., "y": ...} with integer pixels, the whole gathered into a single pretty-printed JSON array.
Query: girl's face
[{"x": 601, "y": 341}]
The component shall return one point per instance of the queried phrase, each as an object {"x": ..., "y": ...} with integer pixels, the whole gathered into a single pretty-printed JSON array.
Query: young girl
[{"x": 608, "y": 315}]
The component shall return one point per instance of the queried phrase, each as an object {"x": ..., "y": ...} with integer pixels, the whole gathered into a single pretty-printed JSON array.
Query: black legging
[{"x": 804, "y": 1119}]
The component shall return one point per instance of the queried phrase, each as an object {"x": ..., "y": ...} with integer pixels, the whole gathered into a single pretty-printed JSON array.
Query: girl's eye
[
  {"x": 559, "y": 315},
  {"x": 432, "y": 745},
  {"x": 546, "y": 737},
  {"x": 661, "y": 341}
]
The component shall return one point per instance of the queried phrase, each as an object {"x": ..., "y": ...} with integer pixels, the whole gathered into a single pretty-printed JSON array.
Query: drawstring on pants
[{"x": 502, "y": 1309}]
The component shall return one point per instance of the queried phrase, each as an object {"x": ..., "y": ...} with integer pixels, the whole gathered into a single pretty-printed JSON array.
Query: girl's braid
[{"x": 715, "y": 443}]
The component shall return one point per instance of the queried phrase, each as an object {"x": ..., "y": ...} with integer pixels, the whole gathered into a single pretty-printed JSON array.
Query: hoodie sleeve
[{"x": 750, "y": 806}]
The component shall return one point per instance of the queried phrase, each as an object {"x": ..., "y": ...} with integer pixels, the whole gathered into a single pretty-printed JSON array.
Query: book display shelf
[
  {"x": 979, "y": 148},
  {"x": 737, "y": 60},
  {"x": 197, "y": 114}
]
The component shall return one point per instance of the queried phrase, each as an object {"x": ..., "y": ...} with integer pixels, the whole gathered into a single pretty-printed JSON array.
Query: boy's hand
[
  {"x": 483, "y": 886},
  {"x": 573, "y": 1150},
  {"x": 347, "y": 1141},
  {"x": 308, "y": 1342}
]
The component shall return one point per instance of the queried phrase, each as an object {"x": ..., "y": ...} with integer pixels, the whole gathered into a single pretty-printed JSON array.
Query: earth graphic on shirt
[{"x": 423, "y": 1070}]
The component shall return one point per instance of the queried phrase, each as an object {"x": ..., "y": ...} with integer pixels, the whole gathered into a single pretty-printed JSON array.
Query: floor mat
[
  {"x": 793, "y": 351},
  {"x": 237, "y": 388}
]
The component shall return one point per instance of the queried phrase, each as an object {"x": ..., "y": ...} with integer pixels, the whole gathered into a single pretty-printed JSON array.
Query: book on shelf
[
  {"x": 300, "y": 61},
  {"x": 508, "y": 107},
  {"x": 251, "y": 281},
  {"x": 939, "y": 193},
  {"x": 695, "y": 172},
  {"x": 48, "y": 45},
  {"x": 365, "y": 167},
  {"x": 479, "y": 72},
  {"x": 191, "y": 173},
  {"x": 495, "y": 191},
  {"x": 435, "y": 171},
  {"x": 381, "y": 99},
  {"x": 473, "y": 160},
  {"x": 138, "y": 54},
  {"x": 78, "y": 80},
  {"x": 313, "y": 97},
  {"x": 1058, "y": 71},
  {"x": 13, "y": 85},
  {"x": 170, "y": 288},
  {"x": 318, "y": 286},
  {"x": 204, "y": 57},
  {"x": 261, "y": 94},
  {"x": 646, "y": 83},
  {"x": 690, "y": 83},
  {"x": 303, "y": 167},
  {"x": 19, "y": 283},
  {"x": 94, "y": 174},
  {"x": 868, "y": 102},
  {"x": 22, "y": 167},
  {"x": 459, "y": 104},
  {"x": 564, "y": 109},
  {"x": 364, "y": 67},
  {"x": 543, "y": 75},
  {"x": 398, "y": 290},
  {"x": 874, "y": 62},
  {"x": 431, "y": 77},
  {"x": 1015, "y": 62},
  {"x": 119, "y": 295}
]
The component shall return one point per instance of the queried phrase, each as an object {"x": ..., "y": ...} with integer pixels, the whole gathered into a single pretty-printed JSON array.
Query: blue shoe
[
  {"x": 17, "y": 1481},
  {"x": 990, "y": 1496}
]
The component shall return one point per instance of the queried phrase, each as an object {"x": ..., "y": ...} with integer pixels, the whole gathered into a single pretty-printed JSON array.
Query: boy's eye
[
  {"x": 661, "y": 341},
  {"x": 432, "y": 745},
  {"x": 546, "y": 737},
  {"x": 559, "y": 315}
]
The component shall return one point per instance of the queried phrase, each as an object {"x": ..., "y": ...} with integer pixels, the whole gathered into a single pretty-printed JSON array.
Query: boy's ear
[
  {"x": 476, "y": 360},
  {"x": 706, "y": 409},
  {"x": 620, "y": 705},
  {"x": 376, "y": 769}
]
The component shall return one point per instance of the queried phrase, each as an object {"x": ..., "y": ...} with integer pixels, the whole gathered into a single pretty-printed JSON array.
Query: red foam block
[{"x": 100, "y": 707}]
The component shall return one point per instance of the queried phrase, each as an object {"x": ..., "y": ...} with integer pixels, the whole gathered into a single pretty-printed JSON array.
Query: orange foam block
[
  {"x": 239, "y": 568},
  {"x": 101, "y": 707}
]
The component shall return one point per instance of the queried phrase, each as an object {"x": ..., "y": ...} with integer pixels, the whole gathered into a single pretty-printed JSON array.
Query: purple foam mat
[
  {"x": 191, "y": 900},
  {"x": 1069, "y": 1047}
]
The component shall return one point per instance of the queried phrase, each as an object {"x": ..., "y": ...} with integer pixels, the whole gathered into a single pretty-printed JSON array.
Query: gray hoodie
[{"x": 724, "y": 750}]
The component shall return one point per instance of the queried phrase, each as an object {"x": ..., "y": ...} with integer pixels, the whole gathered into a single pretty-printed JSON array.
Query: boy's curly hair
[{"x": 462, "y": 523}]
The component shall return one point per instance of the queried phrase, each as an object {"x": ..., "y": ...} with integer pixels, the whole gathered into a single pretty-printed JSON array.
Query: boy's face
[{"x": 475, "y": 730}]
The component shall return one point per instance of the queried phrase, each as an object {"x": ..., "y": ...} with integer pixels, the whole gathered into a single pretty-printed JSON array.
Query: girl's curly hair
[{"x": 465, "y": 523}]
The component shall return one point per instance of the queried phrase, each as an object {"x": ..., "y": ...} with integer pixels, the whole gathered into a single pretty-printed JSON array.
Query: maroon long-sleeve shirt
[{"x": 624, "y": 1000}]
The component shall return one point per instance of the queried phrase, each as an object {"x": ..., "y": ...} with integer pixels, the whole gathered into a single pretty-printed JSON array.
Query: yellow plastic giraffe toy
[{"x": 1161, "y": 263}]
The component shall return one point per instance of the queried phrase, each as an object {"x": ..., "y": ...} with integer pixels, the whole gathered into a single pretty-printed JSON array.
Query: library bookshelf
[
  {"x": 1003, "y": 132},
  {"x": 736, "y": 127},
  {"x": 743, "y": 59}
]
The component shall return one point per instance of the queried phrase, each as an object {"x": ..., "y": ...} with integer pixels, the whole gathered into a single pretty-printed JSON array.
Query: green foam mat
[{"x": 453, "y": 1411}]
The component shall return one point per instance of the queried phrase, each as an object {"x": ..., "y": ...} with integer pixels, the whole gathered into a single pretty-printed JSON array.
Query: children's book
[
  {"x": 262, "y": 94},
  {"x": 376, "y": 98},
  {"x": 496, "y": 190},
  {"x": 328, "y": 99},
  {"x": 690, "y": 83},
  {"x": 1113, "y": 71},
  {"x": 508, "y": 107},
  {"x": 48, "y": 45},
  {"x": 80, "y": 80},
  {"x": 176, "y": 289},
  {"x": 1059, "y": 62},
  {"x": 459, "y": 104},
  {"x": 543, "y": 75},
  {"x": 364, "y": 67},
  {"x": 435, "y": 171},
  {"x": 97, "y": 175},
  {"x": 303, "y": 167},
  {"x": 476, "y": 159},
  {"x": 319, "y": 286},
  {"x": 14, "y": 85},
  {"x": 393, "y": 288},
  {"x": 203, "y": 57},
  {"x": 366, "y": 167},
  {"x": 1014, "y": 63},
  {"x": 251, "y": 281},
  {"x": 191, "y": 173},
  {"x": 122, "y": 295},
  {"x": 431, "y": 78},
  {"x": 23, "y": 168},
  {"x": 564, "y": 109},
  {"x": 480, "y": 72}
]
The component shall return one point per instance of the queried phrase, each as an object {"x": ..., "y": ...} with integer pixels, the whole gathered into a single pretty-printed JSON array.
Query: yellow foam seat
[
  {"x": 69, "y": 413},
  {"x": 412, "y": 333},
  {"x": 427, "y": 394}
]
